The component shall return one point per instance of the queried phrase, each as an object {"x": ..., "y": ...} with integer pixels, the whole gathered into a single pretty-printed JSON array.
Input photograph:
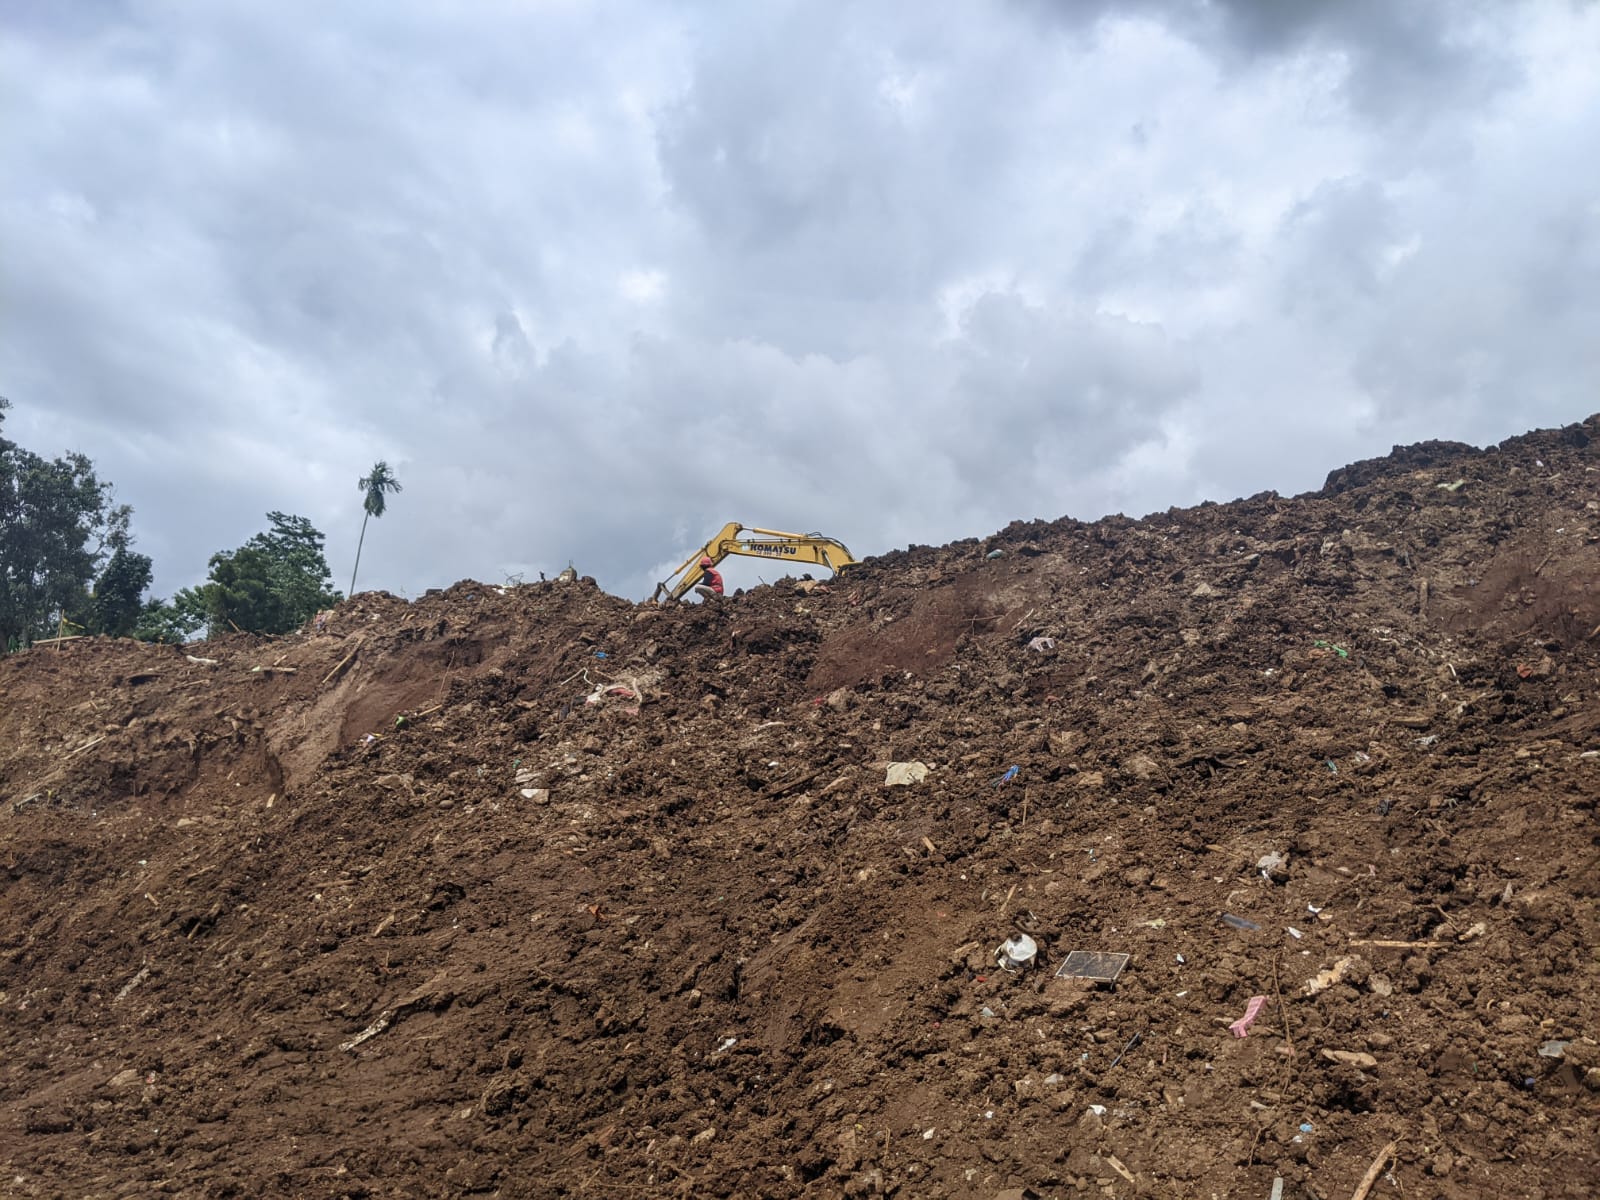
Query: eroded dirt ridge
[{"x": 538, "y": 892}]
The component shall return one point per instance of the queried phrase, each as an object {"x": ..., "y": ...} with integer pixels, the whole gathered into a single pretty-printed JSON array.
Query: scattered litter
[
  {"x": 613, "y": 689},
  {"x": 1241, "y": 1027},
  {"x": 1295, "y": 933},
  {"x": 1239, "y": 923},
  {"x": 1158, "y": 923},
  {"x": 1478, "y": 929},
  {"x": 726, "y": 1044},
  {"x": 1333, "y": 768},
  {"x": 1042, "y": 644},
  {"x": 1277, "y": 1188},
  {"x": 1313, "y": 909},
  {"x": 1054, "y": 1077},
  {"x": 904, "y": 774},
  {"x": 986, "y": 1011},
  {"x": 1098, "y": 1110},
  {"x": 927, "y": 1135},
  {"x": 1339, "y": 650},
  {"x": 204, "y": 662},
  {"x": 1097, "y": 965},
  {"x": 1427, "y": 739},
  {"x": 1016, "y": 952},
  {"x": 1132, "y": 1042},
  {"x": 1180, "y": 959},
  {"x": 1554, "y": 1048},
  {"x": 993, "y": 554},
  {"x": 1305, "y": 1127},
  {"x": 1273, "y": 865},
  {"x": 1010, "y": 774},
  {"x": 1451, "y": 487},
  {"x": 600, "y": 654}
]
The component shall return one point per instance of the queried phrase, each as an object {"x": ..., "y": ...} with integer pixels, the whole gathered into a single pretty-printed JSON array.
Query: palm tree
[{"x": 377, "y": 486}]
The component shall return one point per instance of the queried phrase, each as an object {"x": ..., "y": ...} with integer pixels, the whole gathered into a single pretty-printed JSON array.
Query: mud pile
[{"x": 537, "y": 892}]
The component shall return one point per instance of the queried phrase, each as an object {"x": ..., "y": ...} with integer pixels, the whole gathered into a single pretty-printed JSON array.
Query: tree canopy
[
  {"x": 65, "y": 548},
  {"x": 66, "y": 555},
  {"x": 271, "y": 584}
]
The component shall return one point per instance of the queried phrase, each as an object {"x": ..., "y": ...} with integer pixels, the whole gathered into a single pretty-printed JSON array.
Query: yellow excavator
[{"x": 735, "y": 538}]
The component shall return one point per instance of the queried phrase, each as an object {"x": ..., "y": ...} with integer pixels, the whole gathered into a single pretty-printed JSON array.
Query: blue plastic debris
[
  {"x": 1007, "y": 777},
  {"x": 599, "y": 653}
]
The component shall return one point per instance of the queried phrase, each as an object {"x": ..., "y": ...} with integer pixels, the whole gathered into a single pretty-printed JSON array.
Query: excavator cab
[{"x": 752, "y": 542}]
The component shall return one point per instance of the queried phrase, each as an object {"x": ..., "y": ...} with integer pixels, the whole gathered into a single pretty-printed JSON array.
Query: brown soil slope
[{"x": 538, "y": 892}]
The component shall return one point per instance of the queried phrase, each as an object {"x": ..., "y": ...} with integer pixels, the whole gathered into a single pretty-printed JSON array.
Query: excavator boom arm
[{"x": 762, "y": 543}]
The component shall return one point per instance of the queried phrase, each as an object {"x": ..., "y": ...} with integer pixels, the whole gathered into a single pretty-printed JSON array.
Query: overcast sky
[{"x": 597, "y": 278}]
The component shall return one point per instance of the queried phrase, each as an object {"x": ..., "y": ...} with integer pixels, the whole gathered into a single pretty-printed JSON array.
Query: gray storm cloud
[{"x": 597, "y": 279}]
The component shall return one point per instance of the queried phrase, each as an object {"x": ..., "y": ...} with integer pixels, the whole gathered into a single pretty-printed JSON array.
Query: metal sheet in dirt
[{"x": 1100, "y": 966}]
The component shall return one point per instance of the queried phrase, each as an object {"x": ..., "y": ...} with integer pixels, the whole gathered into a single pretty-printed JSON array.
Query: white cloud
[{"x": 642, "y": 286}]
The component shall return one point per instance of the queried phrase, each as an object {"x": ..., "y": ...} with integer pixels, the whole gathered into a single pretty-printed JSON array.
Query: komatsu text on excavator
[{"x": 735, "y": 538}]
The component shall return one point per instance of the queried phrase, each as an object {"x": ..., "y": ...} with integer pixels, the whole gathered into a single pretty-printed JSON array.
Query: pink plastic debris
[{"x": 1241, "y": 1027}]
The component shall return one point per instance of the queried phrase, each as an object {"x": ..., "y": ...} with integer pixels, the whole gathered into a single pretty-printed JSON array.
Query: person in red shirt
[{"x": 710, "y": 585}]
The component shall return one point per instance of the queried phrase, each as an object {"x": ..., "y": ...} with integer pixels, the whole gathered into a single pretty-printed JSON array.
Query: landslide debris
[{"x": 534, "y": 891}]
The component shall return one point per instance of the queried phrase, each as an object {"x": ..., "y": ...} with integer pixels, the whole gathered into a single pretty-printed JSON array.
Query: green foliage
[
  {"x": 175, "y": 621},
  {"x": 377, "y": 487},
  {"x": 58, "y": 533},
  {"x": 117, "y": 602},
  {"x": 271, "y": 584}
]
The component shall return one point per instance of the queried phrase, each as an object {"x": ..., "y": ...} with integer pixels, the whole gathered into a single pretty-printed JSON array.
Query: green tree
[
  {"x": 58, "y": 531},
  {"x": 174, "y": 621},
  {"x": 271, "y": 584},
  {"x": 377, "y": 487},
  {"x": 118, "y": 600}
]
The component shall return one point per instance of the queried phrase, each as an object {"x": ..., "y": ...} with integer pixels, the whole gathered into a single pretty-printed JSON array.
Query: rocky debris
[{"x": 626, "y": 905}]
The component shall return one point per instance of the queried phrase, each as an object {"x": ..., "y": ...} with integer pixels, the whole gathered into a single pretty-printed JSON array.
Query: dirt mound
[{"x": 534, "y": 891}]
